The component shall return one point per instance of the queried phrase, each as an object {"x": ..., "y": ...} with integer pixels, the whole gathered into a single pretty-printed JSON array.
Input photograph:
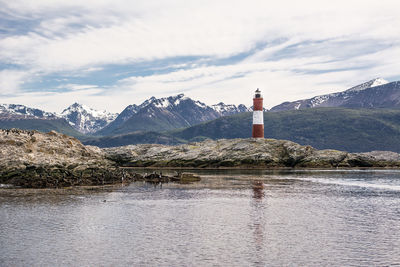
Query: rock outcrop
[
  {"x": 31, "y": 159},
  {"x": 39, "y": 160},
  {"x": 251, "y": 153}
]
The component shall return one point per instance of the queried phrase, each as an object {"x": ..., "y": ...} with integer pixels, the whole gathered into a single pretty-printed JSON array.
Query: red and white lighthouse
[{"x": 258, "y": 116}]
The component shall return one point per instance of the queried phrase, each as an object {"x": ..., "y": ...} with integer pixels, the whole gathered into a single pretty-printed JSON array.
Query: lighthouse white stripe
[{"x": 258, "y": 117}]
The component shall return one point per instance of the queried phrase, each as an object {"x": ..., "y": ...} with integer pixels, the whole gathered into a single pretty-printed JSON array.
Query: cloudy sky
[{"x": 111, "y": 53}]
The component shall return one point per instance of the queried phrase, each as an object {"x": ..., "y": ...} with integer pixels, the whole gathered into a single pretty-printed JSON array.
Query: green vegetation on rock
[{"x": 353, "y": 130}]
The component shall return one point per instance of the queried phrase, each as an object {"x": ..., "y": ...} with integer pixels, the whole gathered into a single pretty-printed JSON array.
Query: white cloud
[
  {"x": 10, "y": 81},
  {"x": 79, "y": 37},
  {"x": 121, "y": 32},
  {"x": 76, "y": 87},
  {"x": 57, "y": 101}
]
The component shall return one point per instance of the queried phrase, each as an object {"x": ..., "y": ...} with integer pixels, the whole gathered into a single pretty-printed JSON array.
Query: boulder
[{"x": 39, "y": 160}]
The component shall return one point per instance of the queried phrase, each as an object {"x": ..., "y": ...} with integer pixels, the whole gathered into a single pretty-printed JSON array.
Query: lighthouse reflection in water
[{"x": 257, "y": 216}]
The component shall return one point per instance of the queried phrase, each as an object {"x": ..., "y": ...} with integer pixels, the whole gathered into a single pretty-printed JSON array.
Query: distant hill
[
  {"x": 353, "y": 130},
  {"x": 161, "y": 114},
  {"x": 42, "y": 125},
  {"x": 376, "y": 93},
  {"x": 139, "y": 137}
]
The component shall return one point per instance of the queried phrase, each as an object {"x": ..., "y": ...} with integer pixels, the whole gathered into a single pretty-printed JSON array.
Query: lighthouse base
[{"x": 258, "y": 131}]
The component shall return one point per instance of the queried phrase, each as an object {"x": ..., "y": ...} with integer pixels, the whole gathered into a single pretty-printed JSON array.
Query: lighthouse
[{"x": 258, "y": 117}]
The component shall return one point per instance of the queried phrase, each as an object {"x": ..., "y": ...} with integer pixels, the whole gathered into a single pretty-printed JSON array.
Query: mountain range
[
  {"x": 154, "y": 114},
  {"x": 377, "y": 93},
  {"x": 14, "y": 112},
  {"x": 363, "y": 118},
  {"x": 161, "y": 114}
]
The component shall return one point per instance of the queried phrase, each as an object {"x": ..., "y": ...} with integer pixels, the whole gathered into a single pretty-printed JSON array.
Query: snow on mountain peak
[
  {"x": 228, "y": 109},
  {"x": 164, "y": 102},
  {"x": 369, "y": 84},
  {"x": 174, "y": 101},
  {"x": 100, "y": 114},
  {"x": 379, "y": 81},
  {"x": 21, "y": 110},
  {"x": 86, "y": 119}
]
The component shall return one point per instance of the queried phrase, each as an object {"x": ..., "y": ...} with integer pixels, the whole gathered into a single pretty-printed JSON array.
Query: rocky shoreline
[
  {"x": 246, "y": 153},
  {"x": 30, "y": 159}
]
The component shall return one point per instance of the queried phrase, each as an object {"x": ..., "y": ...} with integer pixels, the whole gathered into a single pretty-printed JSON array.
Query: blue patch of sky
[
  {"x": 15, "y": 26},
  {"x": 242, "y": 56},
  {"x": 319, "y": 71},
  {"x": 9, "y": 66},
  {"x": 393, "y": 78},
  {"x": 338, "y": 50},
  {"x": 110, "y": 74},
  {"x": 230, "y": 60}
]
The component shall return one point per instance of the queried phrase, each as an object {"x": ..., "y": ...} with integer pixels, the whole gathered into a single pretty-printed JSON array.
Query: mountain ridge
[
  {"x": 376, "y": 93},
  {"x": 166, "y": 113},
  {"x": 85, "y": 119},
  {"x": 153, "y": 114},
  {"x": 17, "y": 111}
]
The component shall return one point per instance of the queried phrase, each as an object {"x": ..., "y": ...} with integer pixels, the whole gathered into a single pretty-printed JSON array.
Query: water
[{"x": 230, "y": 218}]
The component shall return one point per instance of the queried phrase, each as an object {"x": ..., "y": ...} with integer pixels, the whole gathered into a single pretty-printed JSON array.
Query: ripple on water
[{"x": 309, "y": 218}]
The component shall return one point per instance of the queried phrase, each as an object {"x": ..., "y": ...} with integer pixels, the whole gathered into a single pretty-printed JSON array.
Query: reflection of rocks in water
[
  {"x": 180, "y": 177},
  {"x": 258, "y": 189}
]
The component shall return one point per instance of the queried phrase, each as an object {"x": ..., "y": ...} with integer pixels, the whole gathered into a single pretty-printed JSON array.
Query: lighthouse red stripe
[{"x": 258, "y": 131}]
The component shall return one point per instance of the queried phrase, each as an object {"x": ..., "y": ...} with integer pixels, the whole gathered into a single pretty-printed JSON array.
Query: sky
[{"x": 110, "y": 54}]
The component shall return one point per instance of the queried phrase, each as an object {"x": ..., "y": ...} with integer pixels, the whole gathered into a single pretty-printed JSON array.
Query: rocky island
[
  {"x": 32, "y": 159},
  {"x": 246, "y": 153}
]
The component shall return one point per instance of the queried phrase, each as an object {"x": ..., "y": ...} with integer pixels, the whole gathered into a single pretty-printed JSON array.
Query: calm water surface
[{"x": 230, "y": 218}]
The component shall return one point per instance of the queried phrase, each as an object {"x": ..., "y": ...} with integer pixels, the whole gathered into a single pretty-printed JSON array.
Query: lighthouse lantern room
[{"x": 258, "y": 117}]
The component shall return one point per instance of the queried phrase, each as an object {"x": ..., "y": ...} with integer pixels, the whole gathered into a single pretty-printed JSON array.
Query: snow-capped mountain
[
  {"x": 369, "y": 84},
  {"x": 85, "y": 119},
  {"x": 13, "y": 111},
  {"x": 229, "y": 109},
  {"x": 128, "y": 112},
  {"x": 372, "y": 94},
  {"x": 170, "y": 102},
  {"x": 153, "y": 114},
  {"x": 159, "y": 114},
  {"x": 23, "y": 117}
]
